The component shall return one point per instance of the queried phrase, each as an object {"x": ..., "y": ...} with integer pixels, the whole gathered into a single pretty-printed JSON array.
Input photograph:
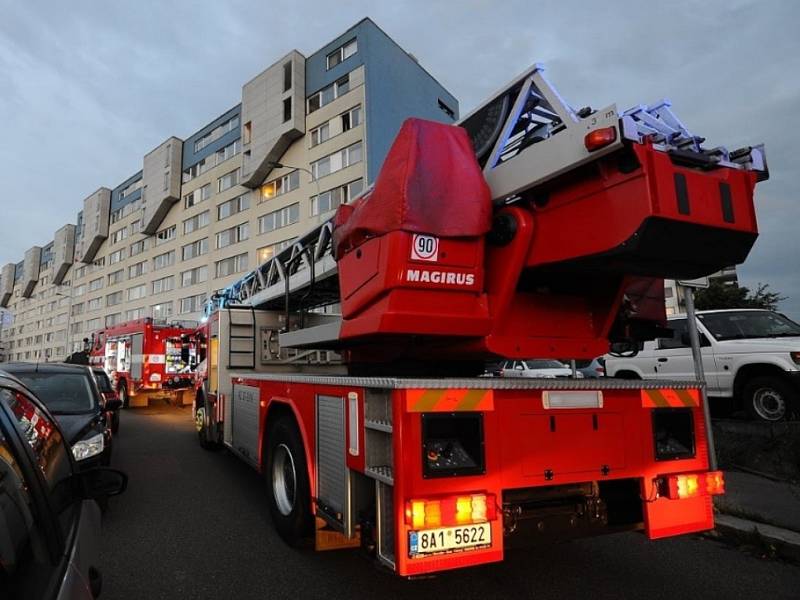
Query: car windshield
[
  {"x": 62, "y": 393},
  {"x": 544, "y": 364},
  {"x": 103, "y": 382},
  {"x": 741, "y": 325}
]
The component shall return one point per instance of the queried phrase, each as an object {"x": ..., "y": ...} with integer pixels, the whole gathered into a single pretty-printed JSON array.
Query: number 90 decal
[{"x": 424, "y": 247}]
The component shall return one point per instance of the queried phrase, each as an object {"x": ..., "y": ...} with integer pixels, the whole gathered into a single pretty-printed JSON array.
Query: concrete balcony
[
  {"x": 63, "y": 252},
  {"x": 96, "y": 209},
  {"x": 7, "y": 274},
  {"x": 161, "y": 182},
  {"x": 30, "y": 270},
  {"x": 273, "y": 116}
]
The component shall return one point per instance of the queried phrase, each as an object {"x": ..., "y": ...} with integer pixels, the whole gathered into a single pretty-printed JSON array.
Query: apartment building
[
  {"x": 674, "y": 299},
  {"x": 310, "y": 133}
]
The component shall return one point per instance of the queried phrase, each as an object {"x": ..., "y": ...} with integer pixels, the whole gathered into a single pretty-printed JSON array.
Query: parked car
[
  {"x": 538, "y": 368},
  {"x": 50, "y": 533},
  {"x": 72, "y": 395},
  {"x": 109, "y": 393},
  {"x": 592, "y": 369},
  {"x": 751, "y": 360}
]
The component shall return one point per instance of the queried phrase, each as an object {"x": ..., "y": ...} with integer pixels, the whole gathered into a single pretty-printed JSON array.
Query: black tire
[
  {"x": 768, "y": 398},
  {"x": 626, "y": 375},
  {"x": 204, "y": 436},
  {"x": 123, "y": 395},
  {"x": 288, "y": 489},
  {"x": 115, "y": 422}
]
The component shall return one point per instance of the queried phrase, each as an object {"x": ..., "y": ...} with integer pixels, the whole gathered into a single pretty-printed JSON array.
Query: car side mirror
[
  {"x": 100, "y": 481},
  {"x": 113, "y": 404}
]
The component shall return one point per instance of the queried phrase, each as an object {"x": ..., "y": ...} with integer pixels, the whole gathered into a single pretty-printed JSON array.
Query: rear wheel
[
  {"x": 626, "y": 375},
  {"x": 123, "y": 395},
  {"x": 768, "y": 398},
  {"x": 288, "y": 487},
  {"x": 204, "y": 436}
]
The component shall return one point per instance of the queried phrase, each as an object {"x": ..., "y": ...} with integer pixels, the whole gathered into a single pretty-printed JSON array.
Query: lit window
[{"x": 281, "y": 185}]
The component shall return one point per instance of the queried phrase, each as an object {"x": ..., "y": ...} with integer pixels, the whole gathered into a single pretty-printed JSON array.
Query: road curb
[{"x": 784, "y": 543}]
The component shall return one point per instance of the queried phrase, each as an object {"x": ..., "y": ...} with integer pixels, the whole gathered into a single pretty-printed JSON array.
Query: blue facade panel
[
  {"x": 116, "y": 201},
  {"x": 190, "y": 157},
  {"x": 409, "y": 90},
  {"x": 18, "y": 270},
  {"x": 47, "y": 254}
]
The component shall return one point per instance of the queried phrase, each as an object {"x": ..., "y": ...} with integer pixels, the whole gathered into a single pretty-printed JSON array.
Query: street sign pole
[{"x": 697, "y": 356}]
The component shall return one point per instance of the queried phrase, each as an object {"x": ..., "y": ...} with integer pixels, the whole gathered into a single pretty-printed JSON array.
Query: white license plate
[{"x": 445, "y": 539}]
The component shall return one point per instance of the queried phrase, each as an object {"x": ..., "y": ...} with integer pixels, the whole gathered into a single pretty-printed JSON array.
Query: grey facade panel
[
  {"x": 96, "y": 210},
  {"x": 63, "y": 252},
  {"x": 7, "y": 278},
  {"x": 30, "y": 271},
  {"x": 266, "y": 135},
  {"x": 161, "y": 182}
]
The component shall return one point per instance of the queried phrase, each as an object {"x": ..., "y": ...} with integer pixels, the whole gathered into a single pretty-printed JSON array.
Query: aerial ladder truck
[{"x": 529, "y": 229}]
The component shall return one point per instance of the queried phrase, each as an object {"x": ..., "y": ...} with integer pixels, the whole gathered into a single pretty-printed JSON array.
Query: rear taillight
[
  {"x": 692, "y": 485},
  {"x": 447, "y": 511},
  {"x": 599, "y": 138}
]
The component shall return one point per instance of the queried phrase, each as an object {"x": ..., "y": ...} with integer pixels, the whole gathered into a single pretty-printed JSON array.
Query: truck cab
[{"x": 751, "y": 360}]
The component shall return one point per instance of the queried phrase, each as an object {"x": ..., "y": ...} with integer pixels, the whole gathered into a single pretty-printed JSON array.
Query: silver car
[{"x": 49, "y": 521}]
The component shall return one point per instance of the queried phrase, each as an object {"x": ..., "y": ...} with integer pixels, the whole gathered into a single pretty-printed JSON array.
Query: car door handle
[{"x": 663, "y": 359}]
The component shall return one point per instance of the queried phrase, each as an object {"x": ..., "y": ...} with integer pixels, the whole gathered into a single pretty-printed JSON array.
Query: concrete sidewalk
[{"x": 754, "y": 506}]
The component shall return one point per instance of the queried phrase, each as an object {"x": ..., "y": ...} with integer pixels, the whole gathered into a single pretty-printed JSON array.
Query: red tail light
[
  {"x": 600, "y": 138},
  {"x": 691, "y": 485},
  {"x": 465, "y": 509}
]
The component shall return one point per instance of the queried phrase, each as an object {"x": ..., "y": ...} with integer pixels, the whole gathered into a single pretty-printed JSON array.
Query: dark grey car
[{"x": 49, "y": 523}]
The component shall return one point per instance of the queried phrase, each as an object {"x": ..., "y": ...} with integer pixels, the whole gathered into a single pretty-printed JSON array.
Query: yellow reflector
[{"x": 463, "y": 509}]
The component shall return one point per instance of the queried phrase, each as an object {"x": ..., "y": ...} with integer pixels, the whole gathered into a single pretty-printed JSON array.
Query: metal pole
[{"x": 697, "y": 356}]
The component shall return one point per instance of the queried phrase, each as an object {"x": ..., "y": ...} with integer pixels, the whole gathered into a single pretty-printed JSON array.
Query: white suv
[{"x": 751, "y": 356}]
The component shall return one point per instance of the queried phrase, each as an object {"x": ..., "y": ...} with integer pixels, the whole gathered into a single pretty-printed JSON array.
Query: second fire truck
[
  {"x": 530, "y": 230},
  {"x": 147, "y": 358}
]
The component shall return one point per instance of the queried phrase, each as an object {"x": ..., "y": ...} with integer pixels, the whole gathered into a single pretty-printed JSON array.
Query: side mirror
[
  {"x": 99, "y": 482},
  {"x": 113, "y": 404}
]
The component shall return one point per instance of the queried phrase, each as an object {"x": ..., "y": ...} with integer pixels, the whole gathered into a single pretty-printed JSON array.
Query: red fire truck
[
  {"x": 530, "y": 230},
  {"x": 147, "y": 358}
]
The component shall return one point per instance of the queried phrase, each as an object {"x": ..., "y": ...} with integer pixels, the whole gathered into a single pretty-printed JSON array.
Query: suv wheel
[{"x": 767, "y": 398}]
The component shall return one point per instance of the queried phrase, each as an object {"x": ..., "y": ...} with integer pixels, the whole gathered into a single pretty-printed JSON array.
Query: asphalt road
[{"x": 194, "y": 524}]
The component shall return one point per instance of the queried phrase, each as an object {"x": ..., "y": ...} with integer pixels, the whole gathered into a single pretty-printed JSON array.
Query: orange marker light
[
  {"x": 600, "y": 138},
  {"x": 450, "y": 510}
]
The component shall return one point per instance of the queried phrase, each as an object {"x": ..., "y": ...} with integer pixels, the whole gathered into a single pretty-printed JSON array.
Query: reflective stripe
[
  {"x": 670, "y": 398},
  {"x": 444, "y": 400}
]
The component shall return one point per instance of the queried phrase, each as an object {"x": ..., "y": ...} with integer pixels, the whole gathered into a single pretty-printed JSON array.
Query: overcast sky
[{"x": 87, "y": 88}]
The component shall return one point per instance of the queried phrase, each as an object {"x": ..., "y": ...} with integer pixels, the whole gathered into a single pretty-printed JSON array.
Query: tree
[{"x": 719, "y": 295}]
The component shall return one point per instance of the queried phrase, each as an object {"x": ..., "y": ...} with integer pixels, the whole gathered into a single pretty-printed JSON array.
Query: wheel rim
[
  {"x": 199, "y": 419},
  {"x": 284, "y": 479},
  {"x": 769, "y": 404}
]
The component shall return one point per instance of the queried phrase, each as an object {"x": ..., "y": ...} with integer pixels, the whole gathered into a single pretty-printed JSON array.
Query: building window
[
  {"x": 137, "y": 269},
  {"x": 165, "y": 284},
  {"x": 95, "y": 284},
  {"x": 342, "y": 53},
  {"x": 446, "y": 109},
  {"x": 196, "y": 222},
  {"x": 137, "y": 292},
  {"x": 94, "y": 304},
  {"x": 197, "y": 196},
  {"x": 287, "y": 109},
  {"x": 331, "y": 199},
  {"x": 117, "y": 256},
  {"x": 93, "y": 324},
  {"x": 233, "y": 206},
  {"x": 162, "y": 261},
  {"x": 351, "y": 118},
  {"x": 287, "y": 76},
  {"x": 668, "y": 292},
  {"x": 79, "y": 290},
  {"x": 116, "y": 277},
  {"x": 194, "y": 249},
  {"x": 192, "y": 304},
  {"x": 233, "y": 235},
  {"x": 136, "y": 226},
  {"x": 193, "y": 276},
  {"x": 267, "y": 252},
  {"x": 328, "y": 94},
  {"x": 229, "y": 266},
  {"x": 336, "y": 161},
  {"x": 165, "y": 235},
  {"x": 138, "y": 247},
  {"x": 118, "y": 235},
  {"x": 112, "y": 320},
  {"x": 281, "y": 185},
  {"x": 228, "y": 151},
  {"x": 162, "y": 310},
  {"x": 77, "y": 309},
  {"x": 283, "y": 217},
  {"x": 216, "y": 133},
  {"x": 114, "y": 299},
  {"x": 80, "y": 272},
  {"x": 197, "y": 169},
  {"x": 320, "y": 134},
  {"x": 228, "y": 180},
  {"x": 134, "y": 314},
  {"x": 247, "y": 132}
]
